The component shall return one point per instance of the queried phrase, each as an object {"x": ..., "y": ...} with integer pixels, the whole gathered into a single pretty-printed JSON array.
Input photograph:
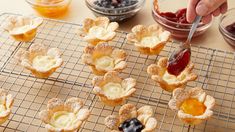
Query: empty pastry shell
[{"x": 6, "y": 105}]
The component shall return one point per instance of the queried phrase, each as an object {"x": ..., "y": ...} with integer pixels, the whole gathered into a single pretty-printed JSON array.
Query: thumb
[{"x": 205, "y": 7}]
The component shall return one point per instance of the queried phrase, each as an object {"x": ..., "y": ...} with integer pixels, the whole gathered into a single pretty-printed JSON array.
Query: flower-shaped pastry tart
[
  {"x": 99, "y": 30},
  {"x": 167, "y": 81},
  {"x": 103, "y": 58},
  {"x": 132, "y": 120},
  {"x": 64, "y": 116},
  {"x": 193, "y": 105},
  {"x": 6, "y": 101},
  {"x": 42, "y": 62},
  {"x": 112, "y": 89},
  {"x": 22, "y": 28},
  {"x": 149, "y": 40}
]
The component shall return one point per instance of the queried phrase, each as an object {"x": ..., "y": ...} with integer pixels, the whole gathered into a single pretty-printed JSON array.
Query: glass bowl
[
  {"x": 115, "y": 14},
  {"x": 226, "y": 20},
  {"x": 178, "y": 30},
  {"x": 50, "y": 9}
]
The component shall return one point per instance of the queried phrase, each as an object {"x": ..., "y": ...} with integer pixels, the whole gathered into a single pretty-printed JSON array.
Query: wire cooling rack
[{"x": 216, "y": 70}]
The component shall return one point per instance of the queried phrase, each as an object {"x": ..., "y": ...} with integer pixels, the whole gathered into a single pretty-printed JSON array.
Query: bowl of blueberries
[
  {"x": 227, "y": 26},
  {"x": 115, "y": 10}
]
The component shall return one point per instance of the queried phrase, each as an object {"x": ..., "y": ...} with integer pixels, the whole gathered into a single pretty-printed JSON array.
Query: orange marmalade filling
[
  {"x": 193, "y": 107},
  {"x": 51, "y": 10}
]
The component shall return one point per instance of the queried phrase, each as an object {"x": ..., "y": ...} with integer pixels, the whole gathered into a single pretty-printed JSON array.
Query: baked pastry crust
[
  {"x": 6, "y": 101},
  {"x": 113, "y": 90},
  {"x": 27, "y": 59},
  {"x": 22, "y": 28},
  {"x": 99, "y": 30},
  {"x": 55, "y": 115},
  {"x": 180, "y": 95},
  {"x": 149, "y": 40},
  {"x": 169, "y": 82},
  {"x": 145, "y": 115},
  {"x": 97, "y": 56}
]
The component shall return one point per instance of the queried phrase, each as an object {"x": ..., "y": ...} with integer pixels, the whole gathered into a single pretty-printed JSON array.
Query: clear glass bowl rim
[{"x": 221, "y": 27}]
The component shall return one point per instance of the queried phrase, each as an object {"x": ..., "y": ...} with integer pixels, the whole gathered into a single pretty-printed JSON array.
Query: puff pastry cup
[
  {"x": 149, "y": 40},
  {"x": 167, "y": 81},
  {"x": 99, "y": 30},
  {"x": 144, "y": 114},
  {"x": 113, "y": 90},
  {"x": 42, "y": 62},
  {"x": 6, "y": 101},
  {"x": 180, "y": 95},
  {"x": 103, "y": 58},
  {"x": 65, "y": 116},
  {"x": 22, "y": 28}
]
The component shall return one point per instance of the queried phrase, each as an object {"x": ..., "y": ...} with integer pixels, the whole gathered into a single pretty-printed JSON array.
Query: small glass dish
[
  {"x": 177, "y": 30},
  {"x": 115, "y": 14},
  {"x": 226, "y": 20},
  {"x": 50, "y": 8}
]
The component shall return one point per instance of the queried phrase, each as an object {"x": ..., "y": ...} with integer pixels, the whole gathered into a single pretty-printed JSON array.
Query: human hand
[{"x": 205, "y": 8}]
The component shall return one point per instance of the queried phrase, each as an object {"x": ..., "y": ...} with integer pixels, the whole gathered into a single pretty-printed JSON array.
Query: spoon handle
[{"x": 193, "y": 29}]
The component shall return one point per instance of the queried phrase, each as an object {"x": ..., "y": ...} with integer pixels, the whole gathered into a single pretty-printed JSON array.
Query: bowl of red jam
[
  {"x": 227, "y": 26},
  {"x": 115, "y": 10},
  {"x": 172, "y": 18}
]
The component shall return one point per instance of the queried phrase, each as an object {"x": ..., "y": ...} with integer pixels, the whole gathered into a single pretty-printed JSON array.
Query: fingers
[
  {"x": 224, "y": 7},
  {"x": 191, "y": 12},
  {"x": 206, "y": 7},
  {"x": 216, "y": 12},
  {"x": 207, "y": 19}
]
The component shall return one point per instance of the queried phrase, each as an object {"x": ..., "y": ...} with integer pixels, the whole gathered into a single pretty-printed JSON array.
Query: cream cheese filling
[
  {"x": 171, "y": 78},
  {"x": 105, "y": 63},
  {"x": 63, "y": 119},
  {"x": 150, "y": 41},
  {"x": 97, "y": 31},
  {"x": 2, "y": 109},
  {"x": 43, "y": 63},
  {"x": 113, "y": 90}
]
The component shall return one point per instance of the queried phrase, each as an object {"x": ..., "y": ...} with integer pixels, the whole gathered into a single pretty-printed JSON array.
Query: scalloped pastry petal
[
  {"x": 149, "y": 40},
  {"x": 103, "y": 58},
  {"x": 180, "y": 95},
  {"x": 40, "y": 61},
  {"x": 6, "y": 101},
  {"x": 99, "y": 30},
  {"x": 22, "y": 28},
  {"x": 64, "y": 116},
  {"x": 167, "y": 81},
  {"x": 112, "y": 89}
]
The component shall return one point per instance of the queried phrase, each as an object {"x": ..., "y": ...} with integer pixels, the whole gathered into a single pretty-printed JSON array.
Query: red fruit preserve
[
  {"x": 179, "y": 16},
  {"x": 178, "y": 62}
]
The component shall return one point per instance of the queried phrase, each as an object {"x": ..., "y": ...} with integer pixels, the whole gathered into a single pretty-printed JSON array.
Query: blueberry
[{"x": 131, "y": 125}]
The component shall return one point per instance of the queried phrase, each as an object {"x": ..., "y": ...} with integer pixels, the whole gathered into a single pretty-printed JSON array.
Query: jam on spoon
[
  {"x": 131, "y": 125},
  {"x": 178, "y": 61}
]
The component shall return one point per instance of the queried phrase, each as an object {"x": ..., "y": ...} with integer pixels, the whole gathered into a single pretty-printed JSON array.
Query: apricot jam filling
[{"x": 193, "y": 107}]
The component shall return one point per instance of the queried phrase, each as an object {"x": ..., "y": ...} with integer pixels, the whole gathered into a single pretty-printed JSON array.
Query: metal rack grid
[{"x": 215, "y": 68}]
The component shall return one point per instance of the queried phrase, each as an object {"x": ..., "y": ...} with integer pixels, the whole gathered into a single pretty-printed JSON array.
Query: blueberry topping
[
  {"x": 231, "y": 28},
  {"x": 115, "y": 3},
  {"x": 131, "y": 125}
]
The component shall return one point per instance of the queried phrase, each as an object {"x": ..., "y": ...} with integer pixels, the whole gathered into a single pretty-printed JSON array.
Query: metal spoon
[{"x": 179, "y": 59}]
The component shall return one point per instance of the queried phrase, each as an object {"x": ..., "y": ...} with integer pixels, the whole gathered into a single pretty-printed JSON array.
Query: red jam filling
[
  {"x": 231, "y": 28},
  {"x": 178, "y": 62},
  {"x": 179, "y": 16}
]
